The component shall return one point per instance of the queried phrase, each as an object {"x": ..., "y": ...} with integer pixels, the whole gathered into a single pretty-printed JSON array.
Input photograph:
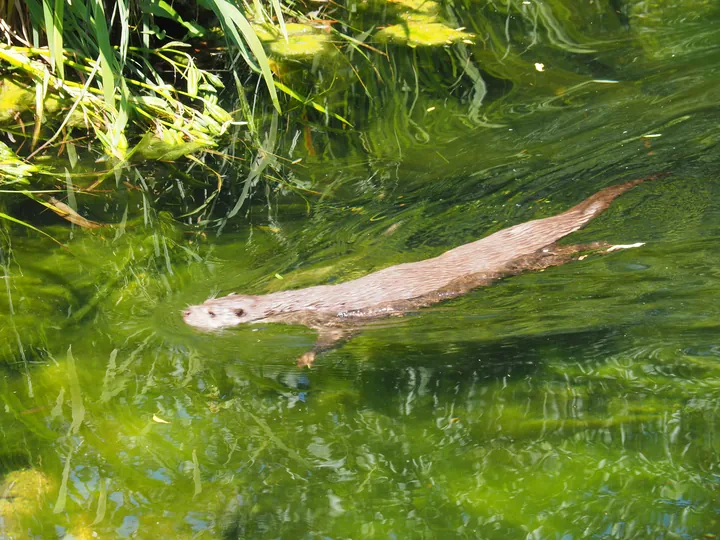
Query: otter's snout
[
  {"x": 194, "y": 316},
  {"x": 211, "y": 316}
]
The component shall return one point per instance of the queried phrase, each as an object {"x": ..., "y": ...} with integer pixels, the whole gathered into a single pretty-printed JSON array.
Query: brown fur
[{"x": 336, "y": 310}]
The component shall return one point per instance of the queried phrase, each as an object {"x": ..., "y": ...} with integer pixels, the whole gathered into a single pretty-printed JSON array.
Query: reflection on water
[{"x": 576, "y": 402}]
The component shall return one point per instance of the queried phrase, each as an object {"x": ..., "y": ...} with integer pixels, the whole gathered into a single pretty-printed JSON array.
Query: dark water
[{"x": 579, "y": 402}]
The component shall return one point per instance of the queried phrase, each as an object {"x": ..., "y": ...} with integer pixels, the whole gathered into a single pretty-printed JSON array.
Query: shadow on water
[{"x": 388, "y": 374}]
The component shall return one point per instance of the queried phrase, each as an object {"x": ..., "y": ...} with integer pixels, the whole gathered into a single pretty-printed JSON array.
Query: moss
[
  {"x": 59, "y": 108},
  {"x": 422, "y": 34},
  {"x": 14, "y": 99},
  {"x": 268, "y": 32},
  {"x": 419, "y": 18},
  {"x": 301, "y": 45},
  {"x": 304, "y": 41},
  {"x": 418, "y": 6},
  {"x": 264, "y": 32},
  {"x": 17, "y": 98},
  {"x": 297, "y": 29},
  {"x": 170, "y": 147}
]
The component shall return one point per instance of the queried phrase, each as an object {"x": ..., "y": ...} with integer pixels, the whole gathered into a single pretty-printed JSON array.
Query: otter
[{"x": 336, "y": 311}]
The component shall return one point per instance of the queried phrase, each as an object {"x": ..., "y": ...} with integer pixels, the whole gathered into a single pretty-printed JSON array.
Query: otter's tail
[{"x": 598, "y": 203}]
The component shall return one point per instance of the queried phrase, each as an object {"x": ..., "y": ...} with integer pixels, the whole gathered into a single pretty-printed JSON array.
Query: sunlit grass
[{"x": 106, "y": 69}]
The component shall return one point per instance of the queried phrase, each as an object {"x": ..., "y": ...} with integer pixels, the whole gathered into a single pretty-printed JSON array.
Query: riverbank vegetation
[{"x": 103, "y": 86}]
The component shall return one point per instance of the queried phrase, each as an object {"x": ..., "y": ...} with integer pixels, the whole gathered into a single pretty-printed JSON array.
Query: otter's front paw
[{"x": 306, "y": 360}]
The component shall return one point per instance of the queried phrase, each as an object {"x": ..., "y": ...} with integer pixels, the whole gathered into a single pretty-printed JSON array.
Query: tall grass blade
[
  {"x": 306, "y": 101},
  {"x": 53, "y": 17},
  {"x": 118, "y": 127},
  {"x": 58, "y": 38},
  {"x": 259, "y": 16},
  {"x": 264, "y": 158},
  {"x": 281, "y": 20},
  {"x": 124, "y": 13},
  {"x": 107, "y": 58},
  {"x": 237, "y": 24},
  {"x": 160, "y": 8},
  {"x": 40, "y": 91}
]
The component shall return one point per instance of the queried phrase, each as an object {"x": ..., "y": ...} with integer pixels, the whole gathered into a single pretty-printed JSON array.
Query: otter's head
[{"x": 223, "y": 312}]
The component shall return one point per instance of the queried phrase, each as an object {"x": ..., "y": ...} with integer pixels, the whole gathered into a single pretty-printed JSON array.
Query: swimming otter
[{"x": 336, "y": 310}]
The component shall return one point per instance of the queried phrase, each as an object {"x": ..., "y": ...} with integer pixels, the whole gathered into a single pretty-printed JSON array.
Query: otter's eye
[
  {"x": 211, "y": 313},
  {"x": 239, "y": 312}
]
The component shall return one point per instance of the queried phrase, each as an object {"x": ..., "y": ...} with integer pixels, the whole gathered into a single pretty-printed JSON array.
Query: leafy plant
[{"x": 110, "y": 61}]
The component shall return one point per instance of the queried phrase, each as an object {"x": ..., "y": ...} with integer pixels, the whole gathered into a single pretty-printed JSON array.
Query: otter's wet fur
[{"x": 336, "y": 310}]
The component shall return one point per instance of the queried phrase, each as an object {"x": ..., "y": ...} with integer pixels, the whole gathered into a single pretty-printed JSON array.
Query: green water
[{"x": 579, "y": 402}]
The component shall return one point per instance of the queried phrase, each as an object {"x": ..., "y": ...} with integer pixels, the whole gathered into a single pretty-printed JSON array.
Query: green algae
[{"x": 658, "y": 23}]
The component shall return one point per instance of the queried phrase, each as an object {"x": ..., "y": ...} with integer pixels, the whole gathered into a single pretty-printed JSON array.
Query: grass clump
[{"x": 122, "y": 82}]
